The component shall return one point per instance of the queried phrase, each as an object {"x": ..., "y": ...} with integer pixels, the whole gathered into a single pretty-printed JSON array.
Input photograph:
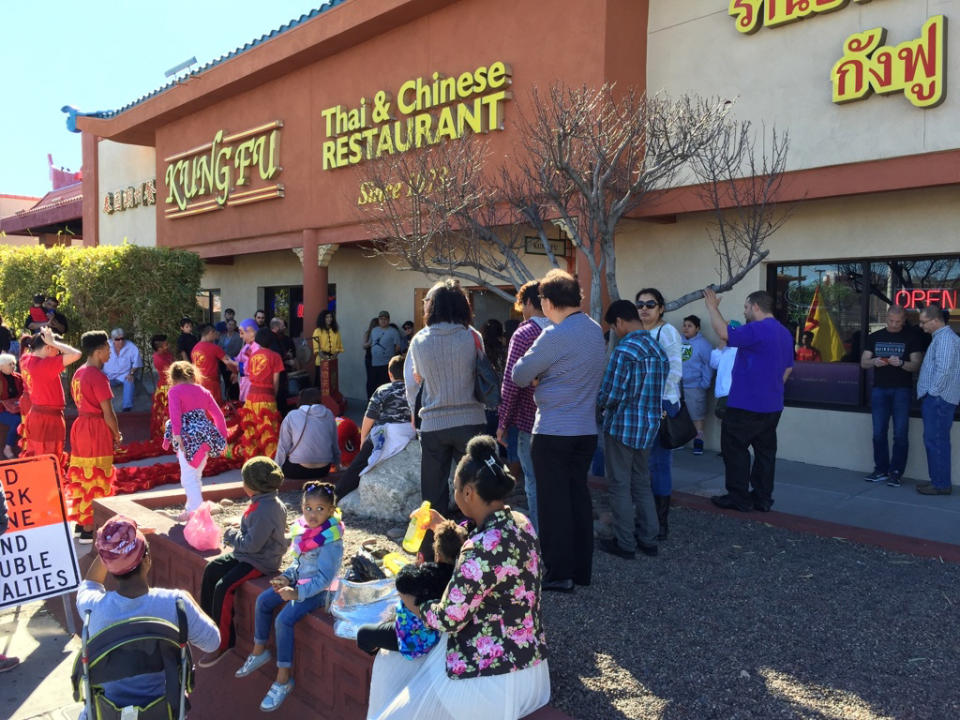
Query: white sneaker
[
  {"x": 252, "y": 663},
  {"x": 276, "y": 695}
]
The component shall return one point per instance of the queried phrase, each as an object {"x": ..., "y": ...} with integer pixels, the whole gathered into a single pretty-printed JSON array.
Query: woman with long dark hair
[
  {"x": 442, "y": 363},
  {"x": 327, "y": 344}
]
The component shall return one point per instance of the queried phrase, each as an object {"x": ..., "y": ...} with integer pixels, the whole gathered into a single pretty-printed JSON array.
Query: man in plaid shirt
[
  {"x": 517, "y": 406},
  {"x": 630, "y": 400}
]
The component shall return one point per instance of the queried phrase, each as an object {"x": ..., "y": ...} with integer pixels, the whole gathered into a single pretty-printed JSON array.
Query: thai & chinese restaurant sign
[
  {"x": 232, "y": 169},
  {"x": 916, "y": 67},
  {"x": 426, "y": 111}
]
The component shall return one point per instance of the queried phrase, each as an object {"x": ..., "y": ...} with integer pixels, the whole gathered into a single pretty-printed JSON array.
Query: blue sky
[{"x": 100, "y": 55}]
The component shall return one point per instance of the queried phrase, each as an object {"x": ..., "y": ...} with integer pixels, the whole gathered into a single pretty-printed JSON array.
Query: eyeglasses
[
  {"x": 648, "y": 304},
  {"x": 120, "y": 338}
]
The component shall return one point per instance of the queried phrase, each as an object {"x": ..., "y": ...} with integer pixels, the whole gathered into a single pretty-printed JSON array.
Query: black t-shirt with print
[{"x": 885, "y": 344}]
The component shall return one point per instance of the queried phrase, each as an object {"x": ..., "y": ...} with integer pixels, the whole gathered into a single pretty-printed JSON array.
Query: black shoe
[
  {"x": 610, "y": 545},
  {"x": 648, "y": 550},
  {"x": 893, "y": 480},
  {"x": 564, "y": 586},
  {"x": 663, "y": 515},
  {"x": 728, "y": 503},
  {"x": 762, "y": 505}
]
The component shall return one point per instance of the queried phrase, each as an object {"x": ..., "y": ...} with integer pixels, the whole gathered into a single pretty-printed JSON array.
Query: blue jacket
[
  {"x": 317, "y": 567},
  {"x": 696, "y": 362}
]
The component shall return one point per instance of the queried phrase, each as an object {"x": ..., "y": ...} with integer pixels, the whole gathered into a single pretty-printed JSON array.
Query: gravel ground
[{"x": 740, "y": 620}]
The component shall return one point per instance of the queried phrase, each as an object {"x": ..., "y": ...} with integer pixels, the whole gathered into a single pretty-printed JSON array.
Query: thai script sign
[
  {"x": 229, "y": 170},
  {"x": 37, "y": 557},
  {"x": 434, "y": 108},
  {"x": 915, "y": 67},
  {"x": 141, "y": 195},
  {"x": 751, "y": 14}
]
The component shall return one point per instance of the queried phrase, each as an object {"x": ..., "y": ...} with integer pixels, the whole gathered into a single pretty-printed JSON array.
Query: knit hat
[
  {"x": 121, "y": 545},
  {"x": 261, "y": 474}
]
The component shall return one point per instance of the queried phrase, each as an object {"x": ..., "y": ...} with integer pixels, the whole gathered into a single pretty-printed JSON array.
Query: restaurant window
[
  {"x": 208, "y": 305},
  {"x": 836, "y": 305}
]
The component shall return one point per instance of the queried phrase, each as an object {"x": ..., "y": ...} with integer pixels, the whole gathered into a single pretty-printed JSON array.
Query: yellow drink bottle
[{"x": 417, "y": 528}]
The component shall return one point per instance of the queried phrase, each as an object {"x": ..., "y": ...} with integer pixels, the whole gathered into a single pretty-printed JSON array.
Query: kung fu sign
[
  {"x": 232, "y": 169},
  {"x": 915, "y": 67}
]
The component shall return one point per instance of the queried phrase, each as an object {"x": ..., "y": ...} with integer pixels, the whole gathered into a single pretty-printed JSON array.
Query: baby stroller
[{"x": 134, "y": 647}]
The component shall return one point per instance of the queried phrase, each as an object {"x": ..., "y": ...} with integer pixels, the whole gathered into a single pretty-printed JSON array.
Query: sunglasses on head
[{"x": 647, "y": 304}]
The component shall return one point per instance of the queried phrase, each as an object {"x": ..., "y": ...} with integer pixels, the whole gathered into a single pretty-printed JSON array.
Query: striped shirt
[
  {"x": 940, "y": 372},
  {"x": 568, "y": 359},
  {"x": 517, "y": 406},
  {"x": 632, "y": 390}
]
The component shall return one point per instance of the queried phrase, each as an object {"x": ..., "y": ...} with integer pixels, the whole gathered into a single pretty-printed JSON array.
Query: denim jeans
[
  {"x": 661, "y": 469},
  {"x": 937, "y": 419},
  {"x": 529, "y": 479},
  {"x": 268, "y": 601},
  {"x": 129, "y": 388},
  {"x": 12, "y": 421},
  {"x": 886, "y": 403}
]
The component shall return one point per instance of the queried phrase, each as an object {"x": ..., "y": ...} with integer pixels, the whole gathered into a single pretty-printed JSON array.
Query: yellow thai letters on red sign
[{"x": 914, "y": 67}]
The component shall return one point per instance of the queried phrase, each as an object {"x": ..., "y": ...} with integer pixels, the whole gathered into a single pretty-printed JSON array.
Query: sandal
[{"x": 371, "y": 546}]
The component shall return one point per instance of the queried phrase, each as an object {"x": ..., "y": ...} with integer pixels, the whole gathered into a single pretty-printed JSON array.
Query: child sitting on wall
[
  {"x": 258, "y": 548},
  {"x": 317, "y": 554}
]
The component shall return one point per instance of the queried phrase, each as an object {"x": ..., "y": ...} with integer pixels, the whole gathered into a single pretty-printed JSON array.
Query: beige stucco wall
[
  {"x": 120, "y": 167},
  {"x": 365, "y": 286},
  {"x": 679, "y": 258},
  {"x": 781, "y": 76}
]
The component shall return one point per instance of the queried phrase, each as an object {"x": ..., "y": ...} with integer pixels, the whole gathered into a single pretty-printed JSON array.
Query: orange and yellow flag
[{"x": 826, "y": 339}]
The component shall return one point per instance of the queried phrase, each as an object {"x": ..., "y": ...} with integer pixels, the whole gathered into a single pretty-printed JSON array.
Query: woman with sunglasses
[{"x": 650, "y": 303}]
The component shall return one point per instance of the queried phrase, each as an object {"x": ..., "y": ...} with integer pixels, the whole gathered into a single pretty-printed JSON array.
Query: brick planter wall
[{"x": 332, "y": 675}]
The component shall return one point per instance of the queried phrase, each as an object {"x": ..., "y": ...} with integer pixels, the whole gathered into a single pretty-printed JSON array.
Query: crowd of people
[{"x": 474, "y": 637}]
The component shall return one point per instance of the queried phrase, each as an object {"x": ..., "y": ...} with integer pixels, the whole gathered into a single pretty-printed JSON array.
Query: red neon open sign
[{"x": 922, "y": 298}]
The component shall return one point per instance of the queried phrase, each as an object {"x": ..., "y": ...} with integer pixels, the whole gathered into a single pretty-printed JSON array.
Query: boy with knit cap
[
  {"x": 258, "y": 548},
  {"x": 124, "y": 555}
]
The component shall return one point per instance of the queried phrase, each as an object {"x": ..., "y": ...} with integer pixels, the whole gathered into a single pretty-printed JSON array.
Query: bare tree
[
  {"x": 596, "y": 155},
  {"x": 439, "y": 212},
  {"x": 586, "y": 158},
  {"x": 740, "y": 174}
]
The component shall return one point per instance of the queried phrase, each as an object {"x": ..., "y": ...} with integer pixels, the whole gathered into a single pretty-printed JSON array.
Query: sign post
[{"x": 37, "y": 556}]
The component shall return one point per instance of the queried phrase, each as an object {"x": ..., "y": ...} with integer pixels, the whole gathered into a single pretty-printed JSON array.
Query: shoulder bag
[{"x": 678, "y": 430}]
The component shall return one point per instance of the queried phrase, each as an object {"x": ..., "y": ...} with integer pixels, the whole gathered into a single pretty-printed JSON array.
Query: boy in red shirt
[
  {"x": 45, "y": 428},
  {"x": 93, "y": 436},
  {"x": 259, "y": 419},
  {"x": 207, "y": 356}
]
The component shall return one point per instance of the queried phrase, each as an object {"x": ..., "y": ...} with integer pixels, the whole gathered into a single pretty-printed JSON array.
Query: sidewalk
[
  {"x": 808, "y": 498},
  {"x": 837, "y": 496}
]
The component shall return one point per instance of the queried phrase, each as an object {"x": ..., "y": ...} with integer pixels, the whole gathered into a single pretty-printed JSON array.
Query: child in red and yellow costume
[
  {"x": 93, "y": 436},
  {"x": 259, "y": 419},
  {"x": 162, "y": 360},
  {"x": 45, "y": 428}
]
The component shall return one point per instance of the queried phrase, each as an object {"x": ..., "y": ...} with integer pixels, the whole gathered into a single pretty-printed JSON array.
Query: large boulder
[{"x": 391, "y": 490}]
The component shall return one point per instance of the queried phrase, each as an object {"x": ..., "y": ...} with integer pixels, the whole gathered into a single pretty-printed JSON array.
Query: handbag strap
[{"x": 303, "y": 431}]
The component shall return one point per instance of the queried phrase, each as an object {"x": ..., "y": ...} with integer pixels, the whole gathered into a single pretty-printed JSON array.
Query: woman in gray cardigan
[{"x": 442, "y": 361}]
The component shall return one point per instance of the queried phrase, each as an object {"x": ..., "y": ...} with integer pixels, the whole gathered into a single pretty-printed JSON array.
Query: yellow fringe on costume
[
  {"x": 259, "y": 429},
  {"x": 159, "y": 412},
  {"x": 87, "y": 479}
]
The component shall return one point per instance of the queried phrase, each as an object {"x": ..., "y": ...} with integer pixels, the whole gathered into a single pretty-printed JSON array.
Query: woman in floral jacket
[{"x": 493, "y": 662}]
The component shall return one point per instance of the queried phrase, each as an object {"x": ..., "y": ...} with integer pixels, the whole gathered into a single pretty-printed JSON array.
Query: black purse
[{"x": 678, "y": 430}]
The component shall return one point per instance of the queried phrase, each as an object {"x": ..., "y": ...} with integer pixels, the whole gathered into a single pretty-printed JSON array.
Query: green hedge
[{"x": 143, "y": 290}]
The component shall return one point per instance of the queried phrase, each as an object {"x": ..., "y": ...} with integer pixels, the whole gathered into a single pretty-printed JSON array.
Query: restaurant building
[{"x": 255, "y": 162}]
